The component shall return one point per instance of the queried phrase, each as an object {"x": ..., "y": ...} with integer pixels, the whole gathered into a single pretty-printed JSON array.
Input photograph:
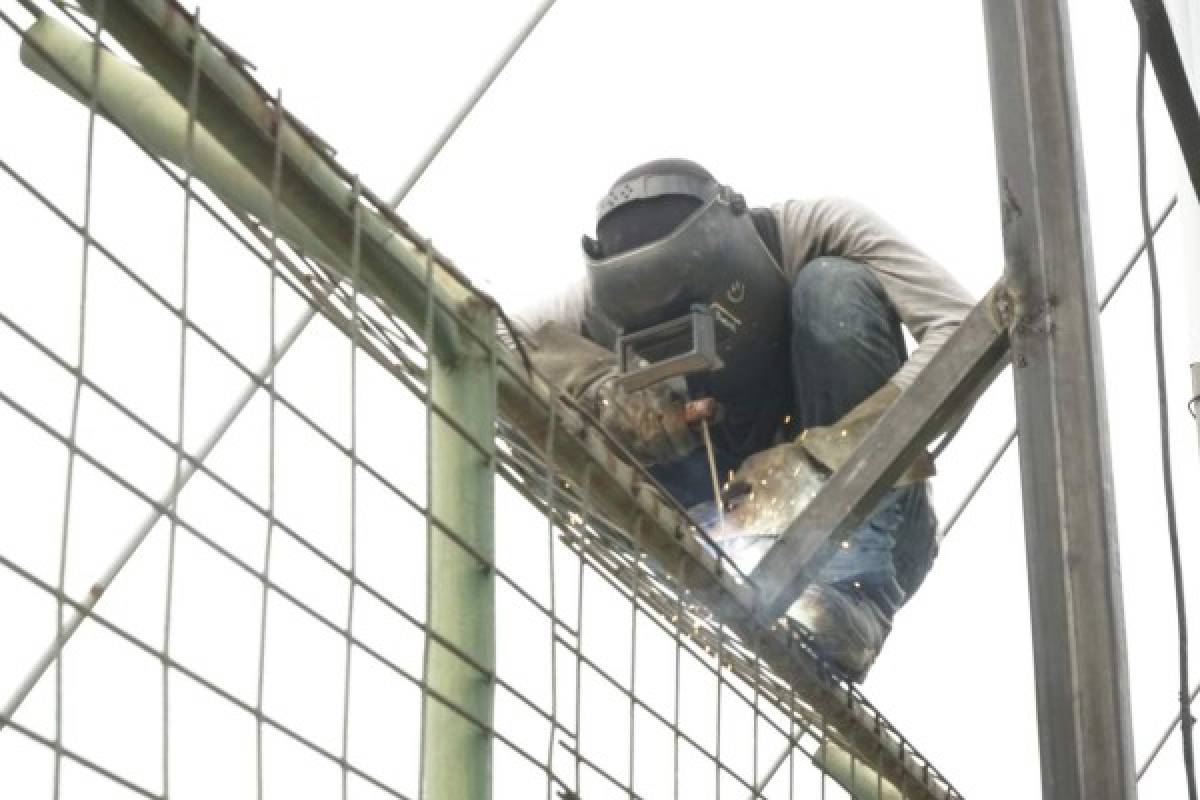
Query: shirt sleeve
[{"x": 929, "y": 301}]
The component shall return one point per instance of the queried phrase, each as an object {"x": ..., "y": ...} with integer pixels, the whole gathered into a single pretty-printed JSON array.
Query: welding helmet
[{"x": 713, "y": 259}]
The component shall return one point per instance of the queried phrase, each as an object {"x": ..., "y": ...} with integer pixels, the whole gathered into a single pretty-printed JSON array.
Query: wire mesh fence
[{"x": 247, "y": 413}]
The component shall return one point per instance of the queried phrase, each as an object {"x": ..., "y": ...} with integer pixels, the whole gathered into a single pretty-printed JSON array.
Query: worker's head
[
  {"x": 647, "y": 203},
  {"x": 670, "y": 240}
]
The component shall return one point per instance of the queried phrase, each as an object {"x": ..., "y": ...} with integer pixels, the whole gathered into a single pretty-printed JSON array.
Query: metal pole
[
  {"x": 456, "y": 752},
  {"x": 469, "y": 105},
  {"x": 138, "y": 103},
  {"x": 234, "y": 154},
  {"x": 850, "y": 772},
  {"x": 1070, "y": 530}
]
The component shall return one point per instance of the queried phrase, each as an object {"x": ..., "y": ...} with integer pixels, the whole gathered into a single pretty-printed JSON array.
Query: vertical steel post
[
  {"x": 457, "y": 752},
  {"x": 1070, "y": 530}
]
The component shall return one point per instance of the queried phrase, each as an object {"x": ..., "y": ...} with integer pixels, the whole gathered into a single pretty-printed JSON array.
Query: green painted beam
[
  {"x": 854, "y": 775},
  {"x": 457, "y": 752}
]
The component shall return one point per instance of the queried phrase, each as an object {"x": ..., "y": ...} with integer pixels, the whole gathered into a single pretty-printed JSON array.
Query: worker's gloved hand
[
  {"x": 649, "y": 422},
  {"x": 769, "y": 489},
  {"x": 832, "y": 445}
]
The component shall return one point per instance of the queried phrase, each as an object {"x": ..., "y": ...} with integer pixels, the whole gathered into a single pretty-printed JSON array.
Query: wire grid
[{"x": 591, "y": 716}]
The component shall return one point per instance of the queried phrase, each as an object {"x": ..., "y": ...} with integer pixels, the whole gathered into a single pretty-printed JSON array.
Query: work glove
[
  {"x": 770, "y": 489},
  {"x": 651, "y": 423},
  {"x": 831, "y": 445}
]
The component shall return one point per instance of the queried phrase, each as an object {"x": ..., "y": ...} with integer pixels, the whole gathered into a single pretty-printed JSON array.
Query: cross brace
[{"x": 959, "y": 372}]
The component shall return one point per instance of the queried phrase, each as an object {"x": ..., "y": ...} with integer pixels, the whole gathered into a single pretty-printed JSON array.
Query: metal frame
[
  {"x": 1049, "y": 299},
  {"x": 417, "y": 284},
  {"x": 187, "y": 471},
  {"x": 1046, "y": 306},
  {"x": 456, "y": 759},
  {"x": 1113, "y": 288},
  {"x": 1075, "y": 590}
]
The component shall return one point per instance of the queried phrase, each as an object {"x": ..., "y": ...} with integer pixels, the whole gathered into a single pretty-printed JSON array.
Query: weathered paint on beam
[{"x": 457, "y": 754}]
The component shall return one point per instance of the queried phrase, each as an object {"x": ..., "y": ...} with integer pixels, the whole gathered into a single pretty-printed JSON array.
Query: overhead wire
[
  {"x": 1162, "y": 740},
  {"x": 32, "y": 8},
  {"x": 1185, "y": 713}
]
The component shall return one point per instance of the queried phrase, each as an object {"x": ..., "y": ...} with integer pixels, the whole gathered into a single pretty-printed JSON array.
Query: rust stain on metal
[{"x": 1010, "y": 208}]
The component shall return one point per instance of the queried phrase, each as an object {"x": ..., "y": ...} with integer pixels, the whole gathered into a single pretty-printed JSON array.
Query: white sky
[{"x": 881, "y": 101}]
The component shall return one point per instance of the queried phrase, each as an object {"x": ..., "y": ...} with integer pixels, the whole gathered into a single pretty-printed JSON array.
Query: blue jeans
[{"x": 846, "y": 341}]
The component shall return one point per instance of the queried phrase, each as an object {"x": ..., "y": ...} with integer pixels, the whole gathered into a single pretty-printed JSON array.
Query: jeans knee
[{"x": 831, "y": 301}]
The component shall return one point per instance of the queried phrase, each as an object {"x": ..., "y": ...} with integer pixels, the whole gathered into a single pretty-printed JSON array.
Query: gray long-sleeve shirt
[{"x": 929, "y": 301}]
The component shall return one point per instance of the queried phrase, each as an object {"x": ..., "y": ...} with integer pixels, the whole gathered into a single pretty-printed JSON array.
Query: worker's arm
[
  {"x": 650, "y": 422},
  {"x": 564, "y": 306}
]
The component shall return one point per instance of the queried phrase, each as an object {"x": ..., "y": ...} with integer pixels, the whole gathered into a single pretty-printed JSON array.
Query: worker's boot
[{"x": 847, "y": 626}]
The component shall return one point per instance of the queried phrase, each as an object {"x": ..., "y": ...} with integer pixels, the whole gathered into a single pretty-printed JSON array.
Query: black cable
[
  {"x": 1185, "y": 712},
  {"x": 32, "y": 8}
]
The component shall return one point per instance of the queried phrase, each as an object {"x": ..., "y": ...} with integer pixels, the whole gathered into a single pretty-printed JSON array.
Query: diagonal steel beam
[
  {"x": 966, "y": 364},
  {"x": 954, "y": 517}
]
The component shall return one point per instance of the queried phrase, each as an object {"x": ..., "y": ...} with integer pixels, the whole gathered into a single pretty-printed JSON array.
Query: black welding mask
[{"x": 713, "y": 266}]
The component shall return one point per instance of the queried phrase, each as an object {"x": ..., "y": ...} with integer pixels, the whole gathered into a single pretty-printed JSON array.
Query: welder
[{"x": 807, "y": 303}]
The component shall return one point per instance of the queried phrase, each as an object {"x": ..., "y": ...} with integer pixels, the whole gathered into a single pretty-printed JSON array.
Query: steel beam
[
  {"x": 858, "y": 779},
  {"x": 964, "y": 366},
  {"x": 456, "y": 753},
  {"x": 236, "y": 113},
  {"x": 1070, "y": 531}
]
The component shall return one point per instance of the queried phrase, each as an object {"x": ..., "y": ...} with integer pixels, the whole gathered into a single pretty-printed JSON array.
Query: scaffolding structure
[{"x": 496, "y": 433}]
